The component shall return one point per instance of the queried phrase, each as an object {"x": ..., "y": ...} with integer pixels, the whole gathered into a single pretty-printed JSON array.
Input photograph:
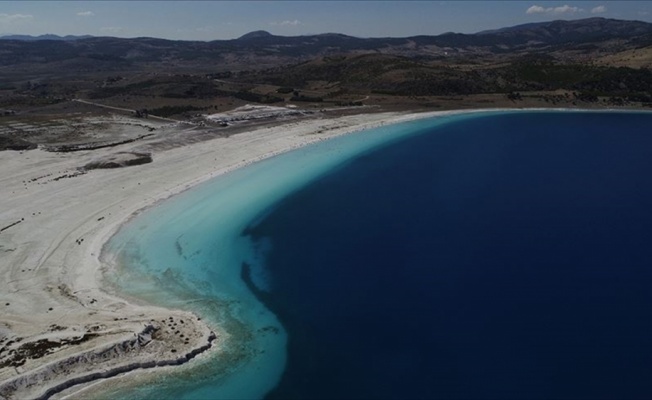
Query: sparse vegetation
[
  {"x": 168, "y": 111},
  {"x": 301, "y": 97},
  {"x": 533, "y": 65},
  {"x": 257, "y": 98},
  {"x": 285, "y": 90}
]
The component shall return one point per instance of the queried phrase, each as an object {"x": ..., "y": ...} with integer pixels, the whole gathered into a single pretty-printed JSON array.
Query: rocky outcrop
[
  {"x": 121, "y": 159},
  {"x": 108, "y": 362},
  {"x": 14, "y": 143}
]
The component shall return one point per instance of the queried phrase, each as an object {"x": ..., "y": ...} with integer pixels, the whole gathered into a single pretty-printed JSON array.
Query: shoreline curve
[{"x": 53, "y": 266}]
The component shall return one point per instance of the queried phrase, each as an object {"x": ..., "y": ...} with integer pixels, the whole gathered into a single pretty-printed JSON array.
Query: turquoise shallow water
[{"x": 187, "y": 253}]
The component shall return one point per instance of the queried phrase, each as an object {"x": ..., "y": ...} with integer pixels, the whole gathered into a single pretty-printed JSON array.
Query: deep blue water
[{"x": 500, "y": 256}]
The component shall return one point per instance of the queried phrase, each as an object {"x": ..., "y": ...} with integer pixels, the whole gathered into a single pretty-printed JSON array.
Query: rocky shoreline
[{"x": 155, "y": 346}]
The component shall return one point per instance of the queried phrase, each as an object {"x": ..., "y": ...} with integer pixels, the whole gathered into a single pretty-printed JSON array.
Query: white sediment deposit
[
  {"x": 60, "y": 325},
  {"x": 254, "y": 112}
]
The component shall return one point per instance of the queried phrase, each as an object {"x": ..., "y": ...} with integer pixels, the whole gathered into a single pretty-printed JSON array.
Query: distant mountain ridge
[
  {"x": 575, "y": 30},
  {"x": 48, "y": 36},
  {"x": 592, "y": 24},
  {"x": 592, "y": 34}
]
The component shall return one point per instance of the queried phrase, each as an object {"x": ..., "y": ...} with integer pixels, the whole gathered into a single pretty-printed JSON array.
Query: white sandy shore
[{"x": 49, "y": 262}]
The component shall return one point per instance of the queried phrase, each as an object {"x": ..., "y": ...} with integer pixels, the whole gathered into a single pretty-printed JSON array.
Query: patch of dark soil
[
  {"x": 14, "y": 143},
  {"x": 118, "y": 160},
  {"x": 38, "y": 349}
]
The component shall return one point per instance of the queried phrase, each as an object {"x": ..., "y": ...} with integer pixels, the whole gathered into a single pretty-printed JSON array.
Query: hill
[
  {"x": 594, "y": 60},
  {"x": 594, "y": 34}
]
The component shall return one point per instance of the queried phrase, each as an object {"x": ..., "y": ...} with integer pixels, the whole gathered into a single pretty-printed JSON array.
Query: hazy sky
[{"x": 210, "y": 20}]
